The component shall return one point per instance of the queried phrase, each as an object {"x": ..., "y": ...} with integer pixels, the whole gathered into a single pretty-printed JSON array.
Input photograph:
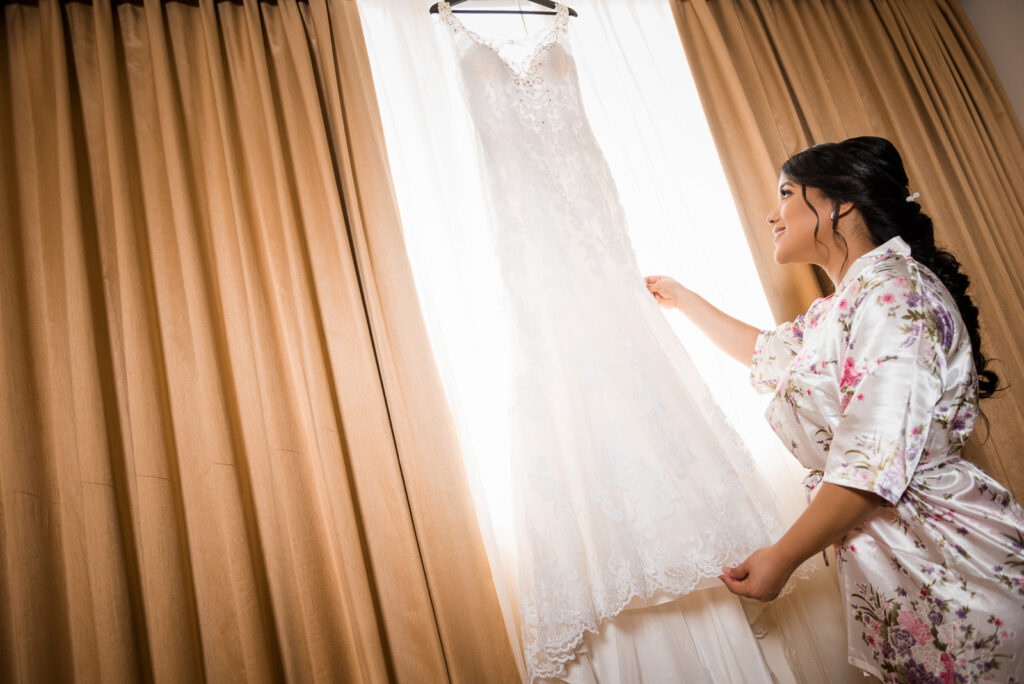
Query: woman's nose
[{"x": 771, "y": 218}]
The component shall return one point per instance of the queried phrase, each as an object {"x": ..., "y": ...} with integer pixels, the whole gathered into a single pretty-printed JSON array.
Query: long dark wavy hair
[{"x": 868, "y": 172}]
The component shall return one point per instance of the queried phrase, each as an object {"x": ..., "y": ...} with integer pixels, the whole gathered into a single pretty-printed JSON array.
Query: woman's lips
[{"x": 777, "y": 232}]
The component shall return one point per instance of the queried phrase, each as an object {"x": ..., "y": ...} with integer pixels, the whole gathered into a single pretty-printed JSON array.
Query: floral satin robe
[{"x": 875, "y": 388}]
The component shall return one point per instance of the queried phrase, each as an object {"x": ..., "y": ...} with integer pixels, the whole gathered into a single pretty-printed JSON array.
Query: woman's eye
[{"x": 785, "y": 193}]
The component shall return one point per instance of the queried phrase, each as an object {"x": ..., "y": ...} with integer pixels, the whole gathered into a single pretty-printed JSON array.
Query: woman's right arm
[{"x": 731, "y": 335}]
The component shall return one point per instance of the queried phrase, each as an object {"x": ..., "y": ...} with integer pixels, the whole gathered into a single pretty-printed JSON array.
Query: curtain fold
[
  {"x": 465, "y": 602},
  {"x": 778, "y": 75},
  {"x": 226, "y": 451}
]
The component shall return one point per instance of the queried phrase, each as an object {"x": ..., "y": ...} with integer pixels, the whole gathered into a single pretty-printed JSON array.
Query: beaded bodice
[
  {"x": 549, "y": 186},
  {"x": 523, "y": 58}
]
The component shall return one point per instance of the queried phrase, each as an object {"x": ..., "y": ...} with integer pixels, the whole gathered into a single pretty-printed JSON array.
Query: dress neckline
[{"x": 547, "y": 37}]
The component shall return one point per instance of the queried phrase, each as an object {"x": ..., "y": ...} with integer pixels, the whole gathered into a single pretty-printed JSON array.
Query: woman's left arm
[{"x": 831, "y": 514}]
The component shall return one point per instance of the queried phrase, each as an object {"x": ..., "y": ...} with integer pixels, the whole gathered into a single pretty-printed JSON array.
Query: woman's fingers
[
  {"x": 738, "y": 580},
  {"x": 738, "y": 572},
  {"x": 758, "y": 577},
  {"x": 655, "y": 284},
  {"x": 736, "y": 586},
  {"x": 735, "y": 578},
  {"x": 744, "y": 587},
  {"x": 664, "y": 289}
]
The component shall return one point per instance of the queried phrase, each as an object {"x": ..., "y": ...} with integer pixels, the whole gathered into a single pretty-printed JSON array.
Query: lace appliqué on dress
[{"x": 529, "y": 78}]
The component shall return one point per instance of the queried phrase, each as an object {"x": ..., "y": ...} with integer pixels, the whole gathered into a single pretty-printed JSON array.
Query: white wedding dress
[{"x": 630, "y": 487}]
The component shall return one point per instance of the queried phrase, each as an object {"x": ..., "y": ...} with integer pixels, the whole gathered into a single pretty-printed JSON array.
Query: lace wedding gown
[{"x": 629, "y": 483}]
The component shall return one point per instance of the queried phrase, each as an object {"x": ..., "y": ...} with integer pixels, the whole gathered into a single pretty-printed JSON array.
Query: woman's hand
[
  {"x": 760, "y": 577},
  {"x": 732, "y": 336},
  {"x": 831, "y": 515},
  {"x": 666, "y": 291}
]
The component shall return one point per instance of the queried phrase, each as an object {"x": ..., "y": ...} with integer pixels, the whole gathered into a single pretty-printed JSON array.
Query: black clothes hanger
[{"x": 544, "y": 3}]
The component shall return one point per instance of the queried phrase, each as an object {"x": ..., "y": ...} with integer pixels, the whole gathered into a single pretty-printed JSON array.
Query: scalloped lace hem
[{"x": 554, "y": 666}]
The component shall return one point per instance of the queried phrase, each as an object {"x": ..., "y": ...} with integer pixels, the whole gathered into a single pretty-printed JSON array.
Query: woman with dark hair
[{"x": 875, "y": 389}]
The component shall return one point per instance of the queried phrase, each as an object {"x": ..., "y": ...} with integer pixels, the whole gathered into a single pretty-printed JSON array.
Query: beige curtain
[
  {"x": 226, "y": 454},
  {"x": 778, "y": 75}
]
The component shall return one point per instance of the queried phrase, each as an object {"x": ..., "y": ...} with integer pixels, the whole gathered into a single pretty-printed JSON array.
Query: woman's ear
[{"x": 839, "y": 210}]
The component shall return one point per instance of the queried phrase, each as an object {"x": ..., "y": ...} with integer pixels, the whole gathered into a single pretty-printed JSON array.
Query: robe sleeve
[
  {"x": 890, "y": 385},
  {"x": 774, "y": 350}
]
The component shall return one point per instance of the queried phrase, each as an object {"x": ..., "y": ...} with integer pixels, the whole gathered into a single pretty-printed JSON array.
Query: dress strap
[{"x": 444, "y": 10}]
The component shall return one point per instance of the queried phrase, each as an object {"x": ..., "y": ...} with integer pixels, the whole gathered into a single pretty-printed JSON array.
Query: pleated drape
[
  {"x": 226, "y": 454},
  {"x": 778, "y": 75}
]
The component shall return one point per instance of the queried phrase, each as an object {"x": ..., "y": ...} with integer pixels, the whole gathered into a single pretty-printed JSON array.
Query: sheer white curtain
[{"x": 643, "y": 106}]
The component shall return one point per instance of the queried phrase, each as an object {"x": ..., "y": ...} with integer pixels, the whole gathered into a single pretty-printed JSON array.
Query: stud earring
[{"x": 833, "y": 215}]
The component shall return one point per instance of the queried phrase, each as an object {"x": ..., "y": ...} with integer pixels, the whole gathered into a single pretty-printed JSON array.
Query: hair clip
[{"x": 912, "y": 198}]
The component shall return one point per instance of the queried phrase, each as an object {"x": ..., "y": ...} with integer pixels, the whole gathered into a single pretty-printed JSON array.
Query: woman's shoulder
[
  {"x": 818, "y": 309},
  {"x": 903, "y": 275},
  {"x": 907, "y": 294}
]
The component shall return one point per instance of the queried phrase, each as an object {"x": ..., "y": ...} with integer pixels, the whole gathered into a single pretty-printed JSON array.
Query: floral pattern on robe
[{"x": 875, "y": 388}]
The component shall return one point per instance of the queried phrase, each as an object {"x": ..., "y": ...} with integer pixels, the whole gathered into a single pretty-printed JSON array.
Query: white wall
[{"x": 1000, "y": 25}]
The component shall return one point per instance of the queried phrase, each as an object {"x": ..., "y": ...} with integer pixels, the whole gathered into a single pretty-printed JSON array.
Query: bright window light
[{"x": 643, "y": 106}]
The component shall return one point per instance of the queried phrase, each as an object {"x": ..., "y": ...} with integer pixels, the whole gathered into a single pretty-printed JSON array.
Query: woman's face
[{"x": 792, "y": 223}]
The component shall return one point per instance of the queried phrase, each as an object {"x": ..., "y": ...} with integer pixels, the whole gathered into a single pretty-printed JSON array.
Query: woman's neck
[{"x": 840, "y": 260}]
